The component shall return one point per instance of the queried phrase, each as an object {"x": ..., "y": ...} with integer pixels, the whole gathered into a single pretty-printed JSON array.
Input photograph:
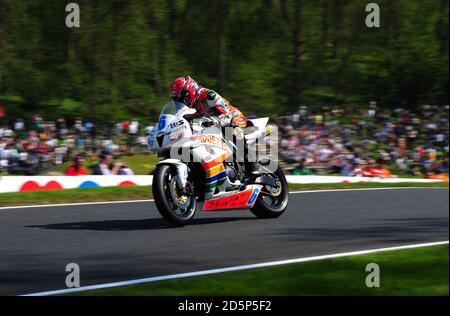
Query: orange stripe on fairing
[
  {"x": 215, "y": 170},
  {"x": 216, "y": 161},
  {"x": 235, "y": 201}
]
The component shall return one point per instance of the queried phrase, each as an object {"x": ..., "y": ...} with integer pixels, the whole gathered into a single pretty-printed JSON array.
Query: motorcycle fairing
[
  {"x": 260, "y": 129},
  {"x": 212, "y": 155},
  {"x": 241, "y": 200},
  {"x": 215, "y": 176},
  {"x": 208, "y": 147}
]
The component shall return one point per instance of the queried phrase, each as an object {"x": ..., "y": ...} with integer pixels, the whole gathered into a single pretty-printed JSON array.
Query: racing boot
[{"x": 252, "y": 167}]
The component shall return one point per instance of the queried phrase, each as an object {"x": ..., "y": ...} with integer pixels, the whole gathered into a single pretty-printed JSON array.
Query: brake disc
[{"x": 181, "y": 200}]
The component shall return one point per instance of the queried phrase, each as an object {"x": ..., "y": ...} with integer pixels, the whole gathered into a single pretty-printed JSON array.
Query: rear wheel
[
  {"x": 175, "y": 207},
  {"x": 273, "y": 201}
]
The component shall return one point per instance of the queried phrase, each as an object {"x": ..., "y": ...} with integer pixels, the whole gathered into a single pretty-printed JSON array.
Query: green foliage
[
  {"x": 420, "y": 271},
  {"x": 266, "y": 57}
]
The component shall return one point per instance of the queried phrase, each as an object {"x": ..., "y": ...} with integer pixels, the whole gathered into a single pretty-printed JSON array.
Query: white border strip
[
  {"x": 229, "y": 269},
  {"x": 152, "y": 200}
]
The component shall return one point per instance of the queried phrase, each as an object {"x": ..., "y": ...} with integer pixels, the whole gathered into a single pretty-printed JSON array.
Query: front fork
[
  {"x": 182, "y": 176},
  {"x": 182, "y": 172}
]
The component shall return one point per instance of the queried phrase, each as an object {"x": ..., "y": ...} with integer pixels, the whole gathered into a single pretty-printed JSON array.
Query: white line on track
[
  {"x": 74, "y": 204},
  {"x": 151, "y": 200},
  {"x": 229, "y": 269}
]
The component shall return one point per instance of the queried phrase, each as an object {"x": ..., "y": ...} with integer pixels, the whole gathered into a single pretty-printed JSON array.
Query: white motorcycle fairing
[{"x": 207, "y": 147}]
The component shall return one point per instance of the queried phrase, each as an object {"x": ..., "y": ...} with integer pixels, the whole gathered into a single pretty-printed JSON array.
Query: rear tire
[
  {"x": 167, "y": 207},
  {"x": 273, "y": 208}
]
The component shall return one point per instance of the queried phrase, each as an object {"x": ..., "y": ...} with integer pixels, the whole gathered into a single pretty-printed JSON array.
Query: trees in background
[{"x": 264, "y": 55}]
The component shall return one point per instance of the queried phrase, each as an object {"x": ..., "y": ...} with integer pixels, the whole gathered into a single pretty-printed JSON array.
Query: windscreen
[{"x": 172, "y": 108}]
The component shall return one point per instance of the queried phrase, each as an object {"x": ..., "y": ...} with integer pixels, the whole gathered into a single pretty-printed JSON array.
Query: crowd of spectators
[
  {"x": 37, "y": 146},
  {"x": 366, "y": 141}
]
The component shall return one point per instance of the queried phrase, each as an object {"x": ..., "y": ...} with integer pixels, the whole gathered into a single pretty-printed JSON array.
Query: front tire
[
  {"x": 168, "y": 197},
  {"x": 271, "y": 206}
]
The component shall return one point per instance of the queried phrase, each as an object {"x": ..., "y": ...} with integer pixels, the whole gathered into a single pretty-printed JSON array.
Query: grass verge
[
  {"x": 420, "y": 271},
  {"x": 145, "y": 192}
]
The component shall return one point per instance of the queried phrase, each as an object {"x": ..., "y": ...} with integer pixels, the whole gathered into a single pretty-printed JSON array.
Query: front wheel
[
  {"x": 273, "y": 201},
  {"x": 175, "y": 207}
]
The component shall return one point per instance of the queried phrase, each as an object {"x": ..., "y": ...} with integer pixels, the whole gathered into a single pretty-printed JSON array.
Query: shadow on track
[{"x": 129, "y": 225}]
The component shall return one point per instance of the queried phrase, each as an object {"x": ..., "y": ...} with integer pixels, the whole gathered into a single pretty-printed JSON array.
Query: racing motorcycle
[{"x": 199, "y": 171}]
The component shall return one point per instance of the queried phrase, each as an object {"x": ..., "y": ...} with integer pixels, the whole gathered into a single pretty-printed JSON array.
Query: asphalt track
[{"x": 117, "y": 242}]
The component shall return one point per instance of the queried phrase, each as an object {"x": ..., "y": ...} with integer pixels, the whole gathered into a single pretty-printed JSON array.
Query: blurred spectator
[
  {"x": 77, "y": 168},
  {"x": 19, "y": 125},
  {"x": 124, "y": 170},
  {"x": 302, "y": 169},
  {"x": 133, "y": 128},
  {"x": 108, "y": 166},
  {"x": 359, "y": 170},
  {"x": 380, "y": 170},
  {"x": 102, "y": 167}
]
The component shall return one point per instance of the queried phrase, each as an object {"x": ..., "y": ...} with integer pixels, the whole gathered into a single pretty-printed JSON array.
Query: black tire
[
  {"x": 163, "y": 199},
  {"x": 263, "y": 210}
]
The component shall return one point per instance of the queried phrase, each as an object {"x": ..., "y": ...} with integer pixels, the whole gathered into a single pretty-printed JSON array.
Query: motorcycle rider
[{"x": 211, "y": 105}]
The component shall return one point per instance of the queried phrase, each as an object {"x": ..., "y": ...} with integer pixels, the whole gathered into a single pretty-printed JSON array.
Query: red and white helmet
[{"x": 185, "y": 90}]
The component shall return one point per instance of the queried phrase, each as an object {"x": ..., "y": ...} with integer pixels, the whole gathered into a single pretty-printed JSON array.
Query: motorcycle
[{"x": 199, "y": 172}]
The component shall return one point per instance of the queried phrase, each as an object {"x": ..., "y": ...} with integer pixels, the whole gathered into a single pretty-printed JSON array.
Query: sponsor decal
[
  {"x": 235, "y": 201},
  {"x": 176, "y": 124},
  {"x": 207, "y": 158},
  {"x": 162, "y": 122},
  {"x": 216, "y": 161},
  {"x": 176, "y": 135},
  {"x": 210, "y": 140},
  {"x": 253, "y": 197}
]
